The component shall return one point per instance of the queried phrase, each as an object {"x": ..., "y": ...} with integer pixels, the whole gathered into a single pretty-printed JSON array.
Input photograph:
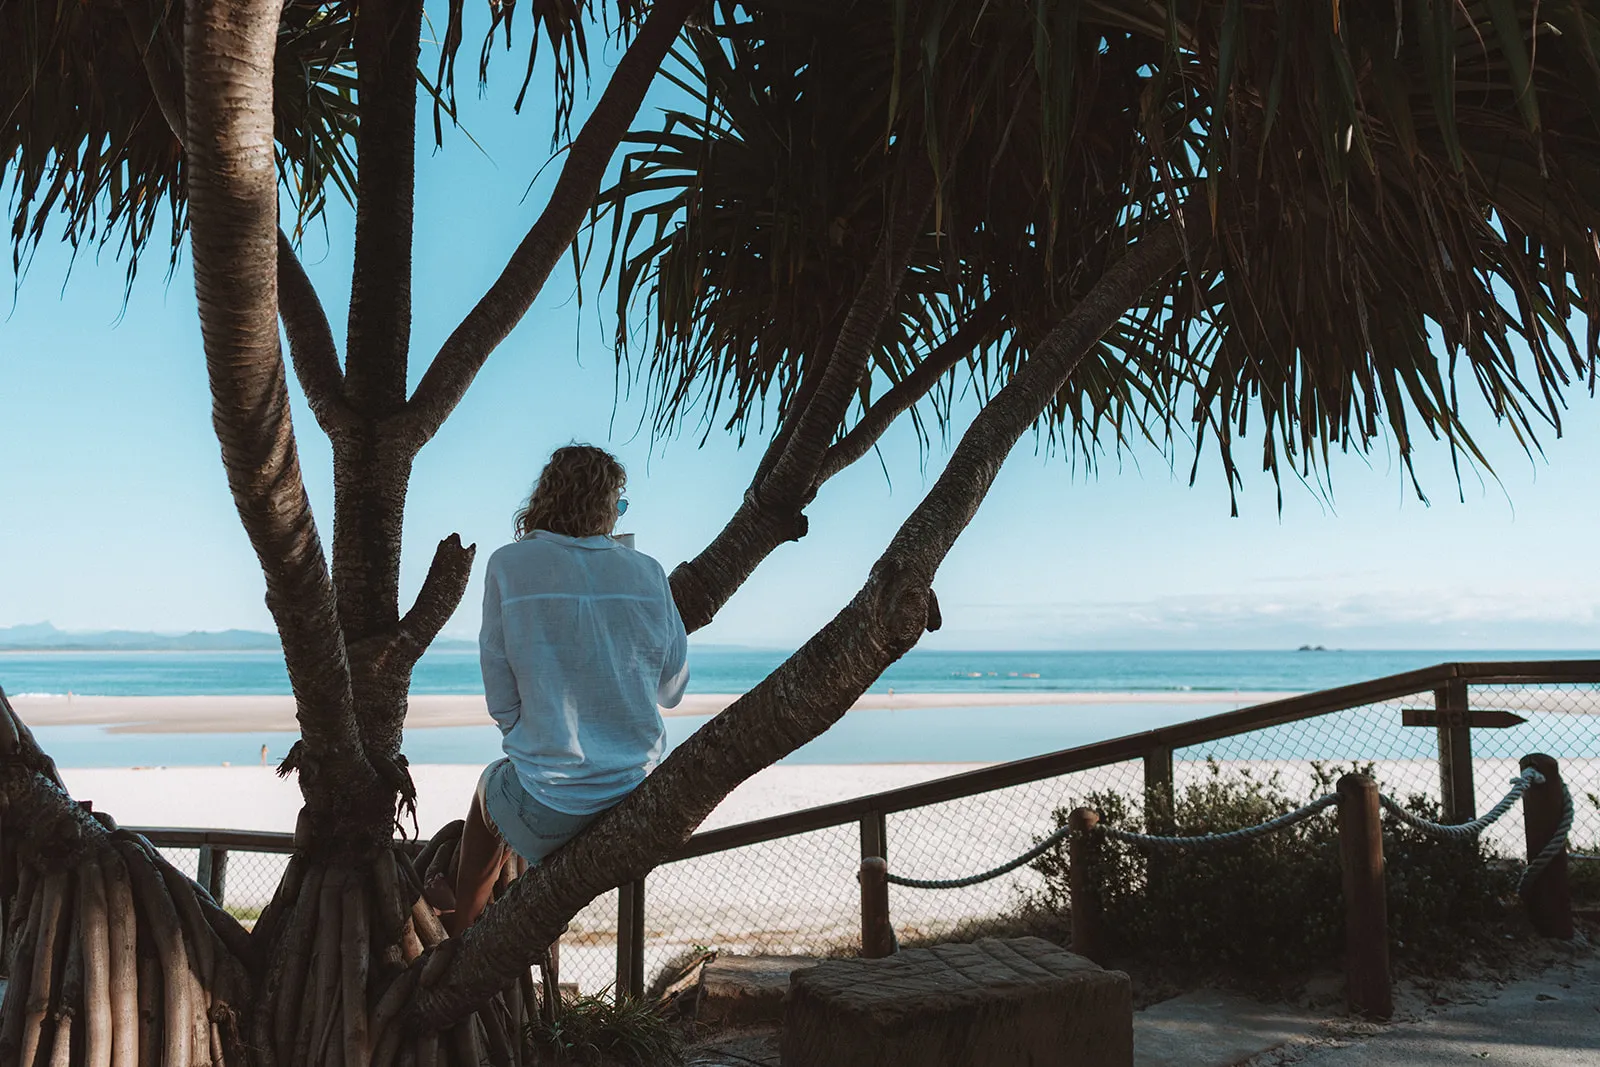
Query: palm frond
[
  {"x": 1403, "y": 204},
  {"x": 84, "y": 141}
]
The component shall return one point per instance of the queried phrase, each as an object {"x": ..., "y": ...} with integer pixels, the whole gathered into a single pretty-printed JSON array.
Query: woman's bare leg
[{"x": 482, "y": 853}]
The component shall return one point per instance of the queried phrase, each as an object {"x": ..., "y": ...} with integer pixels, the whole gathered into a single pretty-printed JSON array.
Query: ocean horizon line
[{"x": 461, "y": 645}]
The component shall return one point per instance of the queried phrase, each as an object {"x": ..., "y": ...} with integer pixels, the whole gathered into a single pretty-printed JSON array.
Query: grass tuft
[{"x": 593, "y": 1031}]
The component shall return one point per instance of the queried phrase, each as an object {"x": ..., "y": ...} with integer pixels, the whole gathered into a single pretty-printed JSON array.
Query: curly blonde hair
[{"x": 574, "y": 494}]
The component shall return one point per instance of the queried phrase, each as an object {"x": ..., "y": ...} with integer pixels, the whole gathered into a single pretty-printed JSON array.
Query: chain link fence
[
  {"x": 1564, "y": 722},
  {"x": 981, "y": 831},
  {"x": 797, "y": 894}
]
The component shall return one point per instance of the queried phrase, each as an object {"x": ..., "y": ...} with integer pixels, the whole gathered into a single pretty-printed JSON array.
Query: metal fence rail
[{"x": 1449, "y": 733}]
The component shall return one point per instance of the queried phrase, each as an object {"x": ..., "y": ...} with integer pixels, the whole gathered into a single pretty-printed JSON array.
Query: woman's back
[{"x": 580, "y": 643}]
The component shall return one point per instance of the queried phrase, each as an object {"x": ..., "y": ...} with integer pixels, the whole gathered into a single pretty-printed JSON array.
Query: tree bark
[
  {"x": 233, "y": 213},
  {"x": 812, "y": 689},
  {"x": 387, "y": 39},
  {"x": 311, "y": 346},
  {"x": 371, "y": 472},
  {"x": 513, "y": 292}
]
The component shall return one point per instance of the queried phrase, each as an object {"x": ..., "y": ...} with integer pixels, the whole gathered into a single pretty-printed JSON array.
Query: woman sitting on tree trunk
[{"x": 581, "y": 641}]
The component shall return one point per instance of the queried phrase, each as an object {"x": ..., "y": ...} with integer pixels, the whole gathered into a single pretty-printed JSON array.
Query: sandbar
[{"x": 254, "y": 714}]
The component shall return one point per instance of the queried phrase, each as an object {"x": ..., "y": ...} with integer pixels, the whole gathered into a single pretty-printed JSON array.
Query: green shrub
[
  {"x": 1272, "y": 908},
  {"x": 1584, "y": 875},
  {"x": 593, "y": 1031}
]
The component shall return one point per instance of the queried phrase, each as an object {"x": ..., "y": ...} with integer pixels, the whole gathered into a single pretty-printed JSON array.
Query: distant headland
[{"x": 44, "y": 637}]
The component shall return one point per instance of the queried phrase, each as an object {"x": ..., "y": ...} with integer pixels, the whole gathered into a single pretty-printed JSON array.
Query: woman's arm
[
  {"x": 675, "y": 664},
  {"x": 499, "y": 684}
]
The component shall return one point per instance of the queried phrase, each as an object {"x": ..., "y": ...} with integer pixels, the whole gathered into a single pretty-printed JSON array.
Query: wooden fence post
[
  {"x": 1088, "y": 935},
  {"x": 630, "y": 940},
  {"x": 1158, "y": 794},
  {"x": 877, "y": 936},
  {"x": 211, "y": 872},
  {"x": 1159, "y": 797},
  {"x": 1366, "y": 913},
  {"x": 875, "y": 835},
  {"x": 1549, "y": 898},
  {"x": 1456, "y": 792}
]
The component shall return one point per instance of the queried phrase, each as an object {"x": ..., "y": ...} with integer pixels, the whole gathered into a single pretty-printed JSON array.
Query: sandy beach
[{"x": 249, "y": 714}]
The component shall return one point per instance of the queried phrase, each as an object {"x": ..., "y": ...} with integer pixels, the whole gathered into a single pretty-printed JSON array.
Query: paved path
[
  {"x": 1212, "y": 1029},
  {"x": 1552, "y": 1020}
]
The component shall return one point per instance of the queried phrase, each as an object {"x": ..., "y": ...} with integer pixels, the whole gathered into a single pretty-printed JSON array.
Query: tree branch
[
  {"x": 371, "y": 474},
  {"x": 233, "y": 218},
  {"x": 701, "y": 586},
  {"x": 311, "y": 345},
  {"x": 977, "y": 330},
  {"x": 387, "y": 40},
  {"x": 513, "y": 292},
  {"x": 381, "y": 663},
  {"x": 794, "y": 475},
  {"x": 438, "y": 598},
  {"x": 806, "y": 694},
  {"x": 786, "y": 479},
  {"x": 809, "y": 378}
]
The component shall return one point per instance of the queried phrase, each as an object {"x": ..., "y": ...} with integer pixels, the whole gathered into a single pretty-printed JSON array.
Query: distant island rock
[
  {"x": 1312, "y": 648},
  {"x": 44, "y": 637}
]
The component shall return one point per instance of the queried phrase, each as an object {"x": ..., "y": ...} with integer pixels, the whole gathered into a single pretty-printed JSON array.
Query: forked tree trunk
[{"x": 347, "y": 966}]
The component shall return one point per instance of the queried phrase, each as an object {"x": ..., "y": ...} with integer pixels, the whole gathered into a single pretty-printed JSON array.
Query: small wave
[{"x": 41, "y": 696}]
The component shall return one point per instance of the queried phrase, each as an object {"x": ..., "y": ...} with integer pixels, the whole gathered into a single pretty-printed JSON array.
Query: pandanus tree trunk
[{"x": 117, "y": 959}]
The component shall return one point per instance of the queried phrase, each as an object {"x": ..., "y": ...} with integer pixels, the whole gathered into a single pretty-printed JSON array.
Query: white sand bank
[
  {"x": 255, "y": 798},
  {"x": 248, "y": 714}
]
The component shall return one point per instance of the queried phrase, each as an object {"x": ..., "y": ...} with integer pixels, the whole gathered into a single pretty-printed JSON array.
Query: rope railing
[
  {"x": 1460, "y": 831},
  {"x": 1227, "y": 837},
  {"x": 982, "y": 876},
  {"x": 1547, "y": 813},
  {"x": 1463, "y": 830}
]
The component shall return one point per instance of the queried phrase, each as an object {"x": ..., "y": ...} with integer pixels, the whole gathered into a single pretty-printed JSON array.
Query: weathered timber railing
[{"x": 1450, "y": 684}]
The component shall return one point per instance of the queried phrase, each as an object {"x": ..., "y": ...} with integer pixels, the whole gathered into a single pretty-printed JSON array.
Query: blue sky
[{"x": 117, "y": 513}]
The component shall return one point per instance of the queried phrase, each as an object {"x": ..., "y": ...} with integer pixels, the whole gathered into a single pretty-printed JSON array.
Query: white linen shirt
[{"x": 581, "y": 641}]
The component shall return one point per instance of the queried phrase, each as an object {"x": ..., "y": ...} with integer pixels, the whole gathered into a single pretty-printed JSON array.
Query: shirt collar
[{"x": 597, "y": 541}]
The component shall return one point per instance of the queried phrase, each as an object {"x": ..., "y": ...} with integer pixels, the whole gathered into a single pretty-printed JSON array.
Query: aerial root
[
  {"x": 113, "y": 961},
  {"x": 117, "y": 959}
]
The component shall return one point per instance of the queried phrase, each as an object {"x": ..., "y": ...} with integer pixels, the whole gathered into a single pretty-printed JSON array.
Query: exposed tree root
[
  {"x": 112, "y": 961},
  {"x": 114, "y": 958}
]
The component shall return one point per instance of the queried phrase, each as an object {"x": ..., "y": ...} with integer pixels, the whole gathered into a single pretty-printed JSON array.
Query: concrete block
[
  {"x": 1020, "y": 1002},
  {"x": 746, "y": 990}
]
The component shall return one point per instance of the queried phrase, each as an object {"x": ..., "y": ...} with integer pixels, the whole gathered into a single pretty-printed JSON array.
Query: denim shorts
[{"x": 531, "y": 829}]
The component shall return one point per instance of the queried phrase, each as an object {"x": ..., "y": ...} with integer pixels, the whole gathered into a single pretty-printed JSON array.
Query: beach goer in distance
[{"x": 581, "y": 642}]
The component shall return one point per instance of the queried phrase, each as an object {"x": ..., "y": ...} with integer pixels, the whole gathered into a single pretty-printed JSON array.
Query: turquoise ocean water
[{"x": 952, "y": 734}]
